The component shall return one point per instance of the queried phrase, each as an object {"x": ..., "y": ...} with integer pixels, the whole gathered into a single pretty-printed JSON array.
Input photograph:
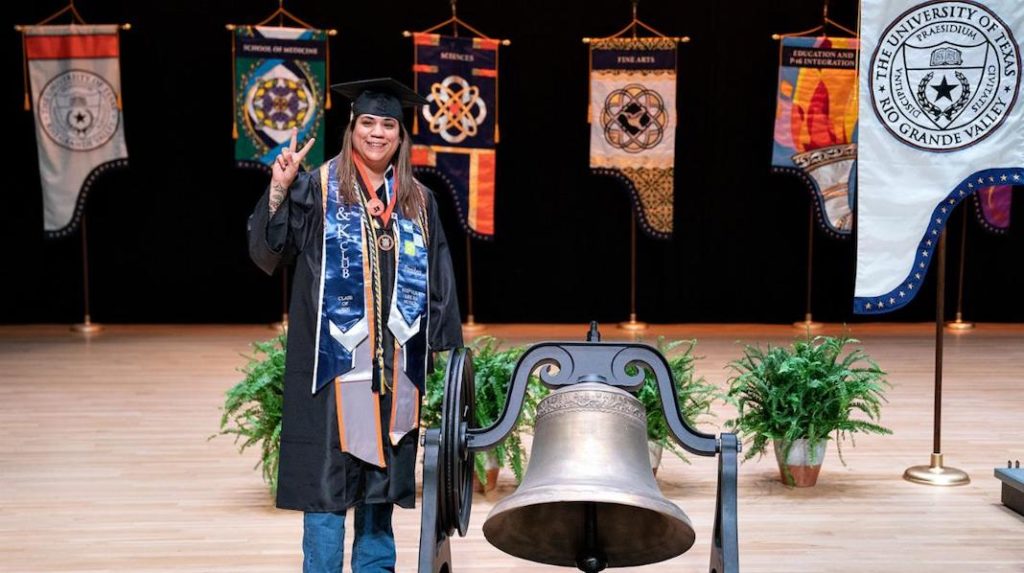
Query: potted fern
[
  {"x": 694, "y": 396},
  {"x": 252, "y": 408},
  {"x": 799, "y": 397},
  {"x": 492, "y": 371}
]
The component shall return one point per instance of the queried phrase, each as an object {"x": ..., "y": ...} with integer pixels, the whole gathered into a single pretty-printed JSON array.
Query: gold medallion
[{"x": 385, "y": 242}]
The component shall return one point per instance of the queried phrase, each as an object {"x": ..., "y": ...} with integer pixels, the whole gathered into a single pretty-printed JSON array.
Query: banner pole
[
  {"x": 632, "y": 324},
  {"x": 808, "y": 323},
  {"x": 86, "y": 326},
  {"x": 471, "y": 326},
  {"x": 959, "y": 325},
  {"x": 935, "y": 473}
]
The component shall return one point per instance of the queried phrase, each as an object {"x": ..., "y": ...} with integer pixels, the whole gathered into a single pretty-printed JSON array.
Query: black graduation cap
[{"x": 380, "y": 96}]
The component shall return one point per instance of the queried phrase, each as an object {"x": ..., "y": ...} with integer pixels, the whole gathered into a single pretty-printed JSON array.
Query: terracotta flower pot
[
  {"x": 801, "y": 467},
  {"x": 654, "y": 450},
  {"x": 492, "y": 467}
]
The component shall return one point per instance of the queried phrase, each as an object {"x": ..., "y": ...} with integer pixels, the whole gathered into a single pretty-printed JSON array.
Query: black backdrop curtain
[{"x": 167, "y": 235}]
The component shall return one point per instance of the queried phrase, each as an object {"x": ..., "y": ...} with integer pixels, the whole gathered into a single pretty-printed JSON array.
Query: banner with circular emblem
[
  {"x": 940, "y": 120},
  {"x": 75, "y": 73},
  {"x": 455, "y": 134},
  {"x": 633, "y": 123},
  {"x": 279, "y": 86}
]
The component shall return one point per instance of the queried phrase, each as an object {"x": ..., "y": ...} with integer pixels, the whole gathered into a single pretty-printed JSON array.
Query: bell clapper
[{"x": 591, "y": 559}]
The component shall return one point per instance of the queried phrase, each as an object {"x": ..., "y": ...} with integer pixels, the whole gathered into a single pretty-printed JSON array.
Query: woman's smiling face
[{"x": 375, "y": 139}]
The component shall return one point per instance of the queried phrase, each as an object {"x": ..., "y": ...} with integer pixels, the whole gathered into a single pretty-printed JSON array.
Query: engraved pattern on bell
[{"x": 593, "y": 400}]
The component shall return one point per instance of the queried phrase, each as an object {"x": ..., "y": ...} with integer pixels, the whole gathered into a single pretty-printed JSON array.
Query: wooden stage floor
[{"x": 105, "y": 462}]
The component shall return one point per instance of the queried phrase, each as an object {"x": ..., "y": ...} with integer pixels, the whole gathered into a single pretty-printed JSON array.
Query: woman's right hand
[
  {"x": 285, "y": 168},
  {"x": 286, "y": 164}
]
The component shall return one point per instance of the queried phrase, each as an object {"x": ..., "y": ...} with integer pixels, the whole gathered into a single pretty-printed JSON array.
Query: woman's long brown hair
[{"x": 410, "y": 197}]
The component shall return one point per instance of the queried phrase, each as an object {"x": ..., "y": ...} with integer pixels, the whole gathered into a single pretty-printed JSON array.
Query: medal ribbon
[{"x": 390, "y": 185}]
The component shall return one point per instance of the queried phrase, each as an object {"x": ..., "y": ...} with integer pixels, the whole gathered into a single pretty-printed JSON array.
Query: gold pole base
[
  {"x": 471, "y": 327},
  {"x": 86, "y": 328},
  {"x": 281, "y": 326},
  {"x": 936, "y": 474},
  {"x": 633, "y": 325},
  {"x": 809, "y": 325},
  {"x": 959, "y": 326}
]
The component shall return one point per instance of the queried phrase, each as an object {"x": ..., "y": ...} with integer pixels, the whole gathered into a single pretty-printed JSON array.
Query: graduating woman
[{"x": 373, "y": 296}]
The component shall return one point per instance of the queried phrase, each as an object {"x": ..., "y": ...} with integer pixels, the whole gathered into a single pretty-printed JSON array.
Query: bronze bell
[{"x": 589, "y": 497}]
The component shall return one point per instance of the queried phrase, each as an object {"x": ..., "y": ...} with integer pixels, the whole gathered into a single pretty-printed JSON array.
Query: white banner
[
  {"x": 76, "y": 86},
  {"x": 633, "y": 123},
  {"x": 940, "y": 118}
]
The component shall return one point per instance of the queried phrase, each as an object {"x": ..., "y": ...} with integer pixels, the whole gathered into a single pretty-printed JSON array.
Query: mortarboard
[{"x": 381, "y": 96}]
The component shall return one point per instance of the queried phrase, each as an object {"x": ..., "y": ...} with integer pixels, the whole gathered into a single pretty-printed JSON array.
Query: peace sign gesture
[{"x": 286, "y": 164}]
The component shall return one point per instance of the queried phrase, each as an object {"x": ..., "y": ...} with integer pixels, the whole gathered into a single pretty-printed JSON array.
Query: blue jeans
[{"x": 373, "y": 550}]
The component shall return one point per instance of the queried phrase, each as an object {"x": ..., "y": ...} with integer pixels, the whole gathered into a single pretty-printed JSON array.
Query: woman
[{"x": 373, "y": 295}]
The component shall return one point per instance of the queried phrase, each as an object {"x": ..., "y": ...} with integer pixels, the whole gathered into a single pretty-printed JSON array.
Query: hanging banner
[
  {"x": 280, "y": 85},
  {"x": 816, "y": 122},
  {"x": 75, "y": 73},
  {"x": 939, "y": 120},
  {"x": 992, "y": 207},
  {"x": 633, "y": 123},
  {"x": 456, "y": 132}
]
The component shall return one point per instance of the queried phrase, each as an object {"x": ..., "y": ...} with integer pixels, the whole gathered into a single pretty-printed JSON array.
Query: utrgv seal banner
[
  {"x": 816, "y": 122},
  {"x": 633, "y": 123},
  {"x": 456, "y": 132},
  {"x": 940, "y": 119},
  {"x": 279, "y": 85},
  {"x": 75, "y": 72}
]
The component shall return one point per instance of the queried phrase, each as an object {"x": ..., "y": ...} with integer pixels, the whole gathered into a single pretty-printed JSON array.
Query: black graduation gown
[{"x": 315, "y": 475}]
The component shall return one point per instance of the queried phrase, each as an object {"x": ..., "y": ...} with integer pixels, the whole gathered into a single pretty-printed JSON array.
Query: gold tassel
[
  {"x": 24, "y": 69},
  {"x": 120, "y": 103},
  {"x": 497, "y": 74},
  {"x": 415, "y": 85},
  {"x": 590, "y": 81},
  {"x": 327, "y": 43},
  {"x": 234, "y": 89}
]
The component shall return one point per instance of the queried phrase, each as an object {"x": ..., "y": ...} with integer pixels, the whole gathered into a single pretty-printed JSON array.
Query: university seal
[{"x": 944, "y": 75}]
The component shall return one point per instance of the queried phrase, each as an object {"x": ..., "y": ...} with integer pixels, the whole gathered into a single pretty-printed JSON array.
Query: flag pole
[
  {"x": 471, "y": 326},
  {"x": 935, "y": 473},
  {"x": 808, "y": 323},
  {"x": 87, "y": 326},
  {"x": 632, "y": 325},
  {"x": 960, "y": 325}
]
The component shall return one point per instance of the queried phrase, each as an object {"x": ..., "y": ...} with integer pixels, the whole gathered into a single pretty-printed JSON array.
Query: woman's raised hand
[
  {"x": 286, "y": 164},
  {"x": 285, "y": 168}
]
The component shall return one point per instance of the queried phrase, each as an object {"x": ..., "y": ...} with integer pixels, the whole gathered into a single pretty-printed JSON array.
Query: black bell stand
[{"x": 448, "y": 450}]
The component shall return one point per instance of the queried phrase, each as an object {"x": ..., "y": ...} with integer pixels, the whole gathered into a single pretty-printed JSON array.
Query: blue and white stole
[{"x": 345, "y": 326}]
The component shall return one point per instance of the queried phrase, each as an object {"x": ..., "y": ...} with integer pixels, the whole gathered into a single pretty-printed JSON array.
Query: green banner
[{"x": 280, "y": 85}]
